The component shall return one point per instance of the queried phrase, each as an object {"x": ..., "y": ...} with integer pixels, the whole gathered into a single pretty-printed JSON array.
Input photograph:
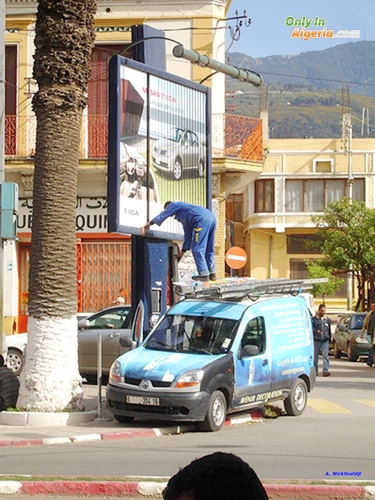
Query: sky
[{"x": 274, "y": 21}]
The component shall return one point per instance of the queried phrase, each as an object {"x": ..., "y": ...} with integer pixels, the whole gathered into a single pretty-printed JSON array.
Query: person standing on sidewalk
[
  {"x": 321, "y": 326},
  {"x": 199, "y": 225},
  {"x": 369, "y": 325}
]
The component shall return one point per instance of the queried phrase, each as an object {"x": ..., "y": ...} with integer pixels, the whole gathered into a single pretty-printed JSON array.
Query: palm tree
[{"x": 64, "y": 40}]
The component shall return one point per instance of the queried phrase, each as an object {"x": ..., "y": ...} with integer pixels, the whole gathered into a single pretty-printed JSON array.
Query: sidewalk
[
  {"x": 151, "y": 488},
  {"x": 100, "y": 428}
]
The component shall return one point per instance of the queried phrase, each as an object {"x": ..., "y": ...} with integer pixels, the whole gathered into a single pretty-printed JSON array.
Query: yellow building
[
  {"x": 298, "y": 179},
  {"x": 197, "y": 25}
]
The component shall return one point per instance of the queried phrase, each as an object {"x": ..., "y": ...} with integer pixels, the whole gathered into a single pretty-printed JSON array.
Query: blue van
[{"x": 208, "y": 357}]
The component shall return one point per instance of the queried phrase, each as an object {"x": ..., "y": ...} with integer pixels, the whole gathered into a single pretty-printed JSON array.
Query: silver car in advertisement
[{"x": 179, "y": 151}]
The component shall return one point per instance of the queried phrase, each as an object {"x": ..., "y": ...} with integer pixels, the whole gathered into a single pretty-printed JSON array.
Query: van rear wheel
[
  {"x": 295, "y": 403},
  {"x": 216, "y": 413}
]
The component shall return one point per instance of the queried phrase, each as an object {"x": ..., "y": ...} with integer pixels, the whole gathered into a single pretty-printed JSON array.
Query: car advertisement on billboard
[{"x": 158, "y": 146}]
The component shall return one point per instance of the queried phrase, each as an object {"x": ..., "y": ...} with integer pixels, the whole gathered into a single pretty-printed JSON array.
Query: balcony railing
[
  {"x": 243, "y": 137},
  {"x": 232, "y": 136}
]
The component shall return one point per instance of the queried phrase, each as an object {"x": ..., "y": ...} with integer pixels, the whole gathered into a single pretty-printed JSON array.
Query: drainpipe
[{"x": 270, "y": 258}]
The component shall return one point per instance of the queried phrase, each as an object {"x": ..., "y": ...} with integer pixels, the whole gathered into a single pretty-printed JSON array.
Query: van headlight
[
  {"x": 114, "y": 373},
  {"x": 191, "y": 378}
]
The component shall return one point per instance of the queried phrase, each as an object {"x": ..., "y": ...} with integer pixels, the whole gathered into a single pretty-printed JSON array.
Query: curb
[
  {"x": 252, "y": 416},
  {"x": 33, "y": 419},
  {"x": 154, "y": 489}
]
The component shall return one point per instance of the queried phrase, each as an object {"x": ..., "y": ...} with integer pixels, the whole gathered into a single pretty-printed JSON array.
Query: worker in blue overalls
[{"x": 199, "y": 225}]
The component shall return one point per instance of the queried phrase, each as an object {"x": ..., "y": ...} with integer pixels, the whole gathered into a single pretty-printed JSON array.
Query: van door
[{"x": 252, "y": 365}]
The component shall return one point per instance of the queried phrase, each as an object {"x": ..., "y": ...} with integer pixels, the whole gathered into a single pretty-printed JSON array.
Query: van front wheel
[
  {"x": 216, "y": 413},
  {"x": 295, "y": 403}
]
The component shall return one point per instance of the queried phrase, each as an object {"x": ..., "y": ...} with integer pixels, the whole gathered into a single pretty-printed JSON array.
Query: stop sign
[{"x": 236, "y": 257}]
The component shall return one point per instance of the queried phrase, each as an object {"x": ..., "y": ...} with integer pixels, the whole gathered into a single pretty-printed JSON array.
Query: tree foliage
[
  {"x": 317, "y": 269},
  {"x": 347, "y": 231}
]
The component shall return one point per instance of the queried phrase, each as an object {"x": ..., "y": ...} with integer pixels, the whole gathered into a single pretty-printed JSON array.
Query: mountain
[
  {"x": 304, "y": 92},
  {"x": 349, "y": 64}
]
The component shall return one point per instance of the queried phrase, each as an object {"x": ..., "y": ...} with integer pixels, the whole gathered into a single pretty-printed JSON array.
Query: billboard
[{"x": 159, "y": 146}]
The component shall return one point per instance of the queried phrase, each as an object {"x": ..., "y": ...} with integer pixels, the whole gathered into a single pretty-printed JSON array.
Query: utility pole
[
  {"x": 347, "y": 140},
  {"x": 2, "y": 136}
]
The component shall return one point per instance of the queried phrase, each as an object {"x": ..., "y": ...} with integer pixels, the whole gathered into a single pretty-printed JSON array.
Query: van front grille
[{"x": 154, "y": 383}]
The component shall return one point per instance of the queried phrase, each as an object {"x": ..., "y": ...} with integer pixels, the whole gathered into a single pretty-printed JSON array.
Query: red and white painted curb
[
  {"x": 155, "y": 488},
  {"x": 252, "y": 416}
]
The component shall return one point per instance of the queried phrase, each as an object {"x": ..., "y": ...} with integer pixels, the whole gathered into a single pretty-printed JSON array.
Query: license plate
[{"x": 142, "y": 400}]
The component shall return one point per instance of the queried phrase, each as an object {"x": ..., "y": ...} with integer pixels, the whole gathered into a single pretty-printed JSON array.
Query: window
[
  {"x": 298, "y": 269},
  {"x": 10, "y": 104},
  {"x": 301, "y": 243},
  {"x": 235, "y": 207},
  {"x": 254, "y": 335},
  {"x": 97, "y": 106},
  {"x": 323, "y": 166},
  {"x": 10, "y": 80},
  {"x": 314, "y": 195},
  {"x": 264, "y": 195}
]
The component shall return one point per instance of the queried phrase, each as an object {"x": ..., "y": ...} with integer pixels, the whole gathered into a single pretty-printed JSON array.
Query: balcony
[
  {"x": 243, "y": 137},
  {"x": 233, "y": 136}
]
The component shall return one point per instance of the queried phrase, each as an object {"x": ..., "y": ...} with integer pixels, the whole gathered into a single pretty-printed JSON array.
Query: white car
[
  {"x": 110, "y": 322},
  {"x": 16, "y": 345}
]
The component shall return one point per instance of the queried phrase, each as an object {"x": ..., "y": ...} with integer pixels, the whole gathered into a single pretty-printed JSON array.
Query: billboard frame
[{"x": 114, "y": 138}]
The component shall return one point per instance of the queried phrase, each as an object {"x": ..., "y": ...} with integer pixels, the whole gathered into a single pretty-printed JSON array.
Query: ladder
[{"x": 239, "y": 288}]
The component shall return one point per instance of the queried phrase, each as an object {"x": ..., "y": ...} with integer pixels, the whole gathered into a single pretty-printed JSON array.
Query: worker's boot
[{"x": 201, "y": 278}]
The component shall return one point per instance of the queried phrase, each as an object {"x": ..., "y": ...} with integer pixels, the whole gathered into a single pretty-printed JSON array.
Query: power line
[{"x": 320, "y": 79}]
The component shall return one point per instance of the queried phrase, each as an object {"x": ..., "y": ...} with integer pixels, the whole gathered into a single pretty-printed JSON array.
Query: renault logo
[{"x": 144, "y": 384}]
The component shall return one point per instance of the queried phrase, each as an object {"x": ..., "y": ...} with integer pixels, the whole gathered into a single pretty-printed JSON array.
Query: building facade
[
  {"x": 104, "y": 259},
  {"x": 299, "y": 178}
]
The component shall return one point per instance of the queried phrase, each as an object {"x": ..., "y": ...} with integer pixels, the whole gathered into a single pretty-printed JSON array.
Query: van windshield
[{"x": 193, "y": 334}]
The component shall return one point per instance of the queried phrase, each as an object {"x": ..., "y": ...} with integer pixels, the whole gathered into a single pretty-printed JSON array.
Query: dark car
[{"x": 347, "y": 340}]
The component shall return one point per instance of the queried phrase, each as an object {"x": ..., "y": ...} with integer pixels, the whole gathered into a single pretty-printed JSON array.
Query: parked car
[
  {"x": 179, "y": 151},
  {"x": 111, "y": 323},
  {"x": 15, "y": 356},
  {"x": 346, "y": 338}
]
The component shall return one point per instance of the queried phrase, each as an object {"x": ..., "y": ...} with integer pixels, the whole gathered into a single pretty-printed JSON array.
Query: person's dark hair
[
  {"x": 2, "y": 361},
  {"x": 219, "y": 476},
  {"x": 166, "y": 204}
]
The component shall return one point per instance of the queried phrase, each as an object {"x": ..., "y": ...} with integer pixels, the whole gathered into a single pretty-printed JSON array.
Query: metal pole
[
  {"x": 2, "y": 175},
  {"x": 99, "y": 374},
  {"x": 350, "y": 189}
]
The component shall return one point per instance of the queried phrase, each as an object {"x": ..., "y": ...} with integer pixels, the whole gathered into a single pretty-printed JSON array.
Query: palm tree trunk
[{"x": 64, "y": 40}]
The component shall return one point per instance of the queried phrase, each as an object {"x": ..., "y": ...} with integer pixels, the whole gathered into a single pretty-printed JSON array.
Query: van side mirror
[{"x": 249, "y": 350}]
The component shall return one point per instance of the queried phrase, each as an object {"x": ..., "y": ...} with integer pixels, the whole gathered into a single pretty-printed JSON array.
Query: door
[
  {"x": 252, "y": 366},
  {"x": 105, "y": 327}
]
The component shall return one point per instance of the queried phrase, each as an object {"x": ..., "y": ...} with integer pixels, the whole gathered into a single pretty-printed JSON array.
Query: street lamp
[{"x": 244, "y": 75}]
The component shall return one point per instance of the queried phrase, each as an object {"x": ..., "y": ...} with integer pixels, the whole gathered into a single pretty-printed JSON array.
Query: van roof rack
[{"x": 240, "y": 288}]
